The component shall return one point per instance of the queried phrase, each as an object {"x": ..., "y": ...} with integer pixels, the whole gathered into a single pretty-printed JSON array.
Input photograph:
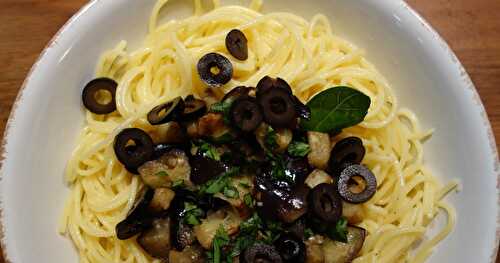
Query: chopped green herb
[
  {"x": 248, "y": 200},
  {"x": 192, "y": 214},
  {"x": 231, "y": 192},
  {"x": 339, "y": 231},
  {"x": 222, "y": 107},
  {"x": 161, "y": 173},
  {"x": 308, "y": 233},
  {"x": 210, "y": 151},
  {"x": 299, "y": 149},
  {"x": 221, "y": 239},
  {"x": 270, "y": 139},
  {"x": 178, "y": 183},
  {"x": 218, "y": 184},
  {"x": 272, "y": 232},
  {"x": 244, "y": 185}
]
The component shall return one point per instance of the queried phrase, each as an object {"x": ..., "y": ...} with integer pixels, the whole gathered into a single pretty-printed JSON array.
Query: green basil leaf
[
  {"x": 299, "y": 149},
  {"x": 335, "y": 109}
]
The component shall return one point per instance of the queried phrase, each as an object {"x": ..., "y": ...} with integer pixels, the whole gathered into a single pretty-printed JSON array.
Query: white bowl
[{"x": 425, "y": 73}]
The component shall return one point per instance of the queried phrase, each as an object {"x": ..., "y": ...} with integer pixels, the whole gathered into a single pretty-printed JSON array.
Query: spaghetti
[{"x": 309, "y": 56}]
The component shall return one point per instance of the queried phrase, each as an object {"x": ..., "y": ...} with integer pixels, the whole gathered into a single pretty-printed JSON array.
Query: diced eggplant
[
  {"x": 170, "y": 133},
  {"x": 314, "y": 250},
  {"x": 191, "y": 254},
  {"x": 171, "y": 167},
  {"x": 338, "y": 252},
  {"x": 156, "y": 240},
  {"x": 183, "y": 236},
  {"x": 318, "y": 177},
  {"x": 320, "y": 149},
  {"x": 353, "y": 212},
  {"x": 161, "y": 200},
  {"x": 243, "y": 185},
  {"x": 205, "y": 232}
]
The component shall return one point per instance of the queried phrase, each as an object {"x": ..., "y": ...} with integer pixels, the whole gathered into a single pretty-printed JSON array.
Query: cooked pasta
[{"x": 309, "y": 56}]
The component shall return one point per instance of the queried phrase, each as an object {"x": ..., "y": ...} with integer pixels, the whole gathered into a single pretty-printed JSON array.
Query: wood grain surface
[{"x": 472, "y": 28}]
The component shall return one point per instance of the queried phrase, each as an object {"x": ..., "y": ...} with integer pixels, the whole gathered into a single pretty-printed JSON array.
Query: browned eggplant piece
[
  {"x": 156, "y": 240},
  {"x": 182, "y": 236},
  {"x": 280, "y": 201},
  {"x": 161, "y": 200},
  {"x": 191, "y": 254},
  {"x": 171, "y": 167},
  {"x": 339, "y": 252},
  {"x": 138, "y": 217}
]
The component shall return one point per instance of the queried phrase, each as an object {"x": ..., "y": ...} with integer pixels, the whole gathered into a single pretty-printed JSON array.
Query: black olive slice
[
  {"x": 138, "y": 217},
  {"x": 133, "y": 147},
  {"x": 302, "y": 110},
  {"x": 267, "y": 83},
  {"x": 349, "y": 150},
  {"x": 297, "y": 168},
  {"x": 91, "y": 92},
  {"x": 236, "y": 44},
  {"x": 291, "y": 248},
  {"x": 246, "y": 114},
  {"x": 261, "y": 253},
  {"x": 204, "y": 168},
  {"x": 215, "y": 69},
  {"x": 278, "y": 107},
  {"x": 166, "y": 112},
  {"x": 347, "y": 180},
  {"x": 326, "y": 203},
  {"x": 236, "y": 93},
  {"x": 193, "y": 108}
]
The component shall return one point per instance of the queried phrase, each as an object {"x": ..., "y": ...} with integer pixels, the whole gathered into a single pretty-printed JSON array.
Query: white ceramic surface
[{"x": 424, "y": 72}]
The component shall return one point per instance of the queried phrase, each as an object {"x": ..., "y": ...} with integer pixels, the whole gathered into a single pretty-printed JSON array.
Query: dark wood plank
[{"x": 472, "y": 28}]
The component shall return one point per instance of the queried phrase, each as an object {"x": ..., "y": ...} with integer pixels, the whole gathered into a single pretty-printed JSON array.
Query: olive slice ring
[
  {"x": 326, "y": 203},
  {"x": 346, "y": 177},
  {"x": 90, "y": 96},
  {"x": 166, "y": 112},
  {"x": 133, "y": 156},
  {"x": 215, "y": 69},
  {"x": 236, "y": 44}
]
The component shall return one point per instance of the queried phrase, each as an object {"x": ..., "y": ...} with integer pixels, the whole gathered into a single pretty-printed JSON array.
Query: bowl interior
[{"x": 425, "y": 74}]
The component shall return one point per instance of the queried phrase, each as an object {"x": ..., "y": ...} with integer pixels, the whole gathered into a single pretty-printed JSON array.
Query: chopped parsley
[
  {"x": 178, "y": 183},
  {"x": 248, "y": 200},
  {"x": 221, "y": 240},
  {"x": 218, "y": 184},
  {"x": 338, "y": 231},
  {"x": 192, "y": 214},
  {"x": 244, "y": 185},
  {"x": 298, "y": 149},
  {"x": 308, "y": 233},
  {"x": 209, "y": 151},
  {"x": 161, "y": 174},
  {"x": 270, "y": 140},
  {"x": 231, "y": 192},
  {"x": 223, "y": 107}
]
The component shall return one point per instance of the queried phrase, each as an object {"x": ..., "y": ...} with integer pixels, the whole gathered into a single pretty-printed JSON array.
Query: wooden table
[{"x": 472, "y": 28}]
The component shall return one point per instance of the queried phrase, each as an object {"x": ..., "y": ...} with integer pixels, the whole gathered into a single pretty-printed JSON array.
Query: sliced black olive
[
  {"x": 246, "y": 114},
  {"x": 326, "y": 203},
  {"x": 215, "y": 69},
  {"x": 297, "y": 168},
  {"x": 298, "y": 228},
  {"x": 302, "y": 110},
  {"x": 267, "y": 83},
  {"x": 346, "y": 182},
  {"x": 236, "y": 93},
  {"x": 261, "y": 253},
  {"x": 278, "y": 107},
  {"x": 291, "y": 248},
  {"x": 91, "y": 92},
  {"x": 348, "y": 150},
  {"x": 133, "y": 147},
  {"x": 138, "y": 217},
  {"x": 204, "y": 168},
  {"x": 156, "y": 240},
  {"x": 193, "y": 108},
  {"x": 166, "y": 112},
  {"x": 160, "y": 149},
  {"x": 236, "y": 44}
]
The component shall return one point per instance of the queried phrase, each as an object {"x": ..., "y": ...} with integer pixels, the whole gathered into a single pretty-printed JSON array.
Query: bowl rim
[{"x": 445, "y": 47}]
